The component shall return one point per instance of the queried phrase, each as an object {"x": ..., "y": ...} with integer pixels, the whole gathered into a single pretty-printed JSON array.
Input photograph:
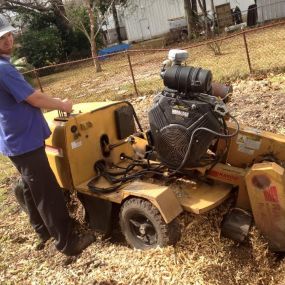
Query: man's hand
[
  {"x": 66, "y": 106},
  {"x": 41, "y": 100}
]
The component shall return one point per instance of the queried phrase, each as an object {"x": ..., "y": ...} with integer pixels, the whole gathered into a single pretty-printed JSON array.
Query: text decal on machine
[
  {"x": 76, "y": 144},
  {"x": 248, "y": 144}
]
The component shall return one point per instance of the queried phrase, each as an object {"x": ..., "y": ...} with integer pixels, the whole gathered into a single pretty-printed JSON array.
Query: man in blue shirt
[{"x": 23, "y": 130}]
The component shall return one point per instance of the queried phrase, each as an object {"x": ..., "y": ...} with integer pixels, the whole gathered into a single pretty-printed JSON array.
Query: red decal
[
  {"x": 223, "y": 175},
  {"x": 270, "y": 194}
]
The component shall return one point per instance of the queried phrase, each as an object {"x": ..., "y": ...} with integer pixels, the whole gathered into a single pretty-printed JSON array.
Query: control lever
[{"x": 62, "y": 114}]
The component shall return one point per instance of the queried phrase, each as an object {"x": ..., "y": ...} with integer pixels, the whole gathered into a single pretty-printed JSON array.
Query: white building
[
  {"x": 270, "y": 9},
  {"x": 147, "y": 19}
]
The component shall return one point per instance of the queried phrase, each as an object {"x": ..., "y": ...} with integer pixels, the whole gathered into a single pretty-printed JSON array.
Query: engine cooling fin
[{"x": 173, "y": 144}]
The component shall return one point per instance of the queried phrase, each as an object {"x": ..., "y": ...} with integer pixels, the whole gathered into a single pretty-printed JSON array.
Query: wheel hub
[{"x": 143, "y": 229}]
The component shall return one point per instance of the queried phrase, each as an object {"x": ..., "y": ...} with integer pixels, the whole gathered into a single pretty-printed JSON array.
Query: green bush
[
  {"x": 23, "y": 66},
  {"x": 41, "y": 47}
]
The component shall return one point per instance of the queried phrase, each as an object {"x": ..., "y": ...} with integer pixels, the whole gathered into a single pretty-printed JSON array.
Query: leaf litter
[{"x": 202, "y": 256}]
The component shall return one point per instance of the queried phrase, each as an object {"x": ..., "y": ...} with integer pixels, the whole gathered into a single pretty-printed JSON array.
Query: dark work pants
[{"x": 44, "y": 198}]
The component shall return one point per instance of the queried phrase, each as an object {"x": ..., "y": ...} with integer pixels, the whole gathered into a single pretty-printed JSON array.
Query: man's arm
[{"x": 41, "y": 100}]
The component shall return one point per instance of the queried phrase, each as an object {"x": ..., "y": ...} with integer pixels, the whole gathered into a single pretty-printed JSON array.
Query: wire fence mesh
[
  {"x": 137, "y": 72},
  {"x": 146, "y": 67},
  {"x": 268, "y": 54},
  {"x": 80, "y": 82}
]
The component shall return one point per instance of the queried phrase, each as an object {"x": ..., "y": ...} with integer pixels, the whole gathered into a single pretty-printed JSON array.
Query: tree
[
  {"x": 106, "y": 4},
  {"x": 41, "y": 47},
  {"x": 51, "y": 12},
  {"x": 189, "y": 18},
  {"x": 191, "y": 15},
  {"x": 116, "y": 20},
  {"x": 90, "y": 5},
  {"x": 39, "y": 6},
  {"x": 83, "y": 16},
  {"x": 203, "y": 7},
  {"x": 76, "y": 15}
]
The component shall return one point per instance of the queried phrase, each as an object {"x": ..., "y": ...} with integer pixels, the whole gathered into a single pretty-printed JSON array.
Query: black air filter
[{"x": 188, "y": 79}]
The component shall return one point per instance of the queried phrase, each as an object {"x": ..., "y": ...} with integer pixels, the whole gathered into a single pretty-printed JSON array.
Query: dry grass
[
  {"x": 266, "y": 49},
  {"x": 201, "y": 257}
]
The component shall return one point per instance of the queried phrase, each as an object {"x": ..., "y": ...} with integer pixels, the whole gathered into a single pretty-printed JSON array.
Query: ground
[{"x": 202, "y": 256}]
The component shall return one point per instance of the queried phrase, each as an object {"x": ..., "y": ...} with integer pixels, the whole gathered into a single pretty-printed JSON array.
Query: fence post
[
  {"x": 247, "y": 52},
  {"x": 132, "y": 73},
  {"x": 38, "y": 80}
]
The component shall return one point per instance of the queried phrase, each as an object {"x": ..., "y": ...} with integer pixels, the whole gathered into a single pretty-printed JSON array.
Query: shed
[{"x": 224, "y": 15}]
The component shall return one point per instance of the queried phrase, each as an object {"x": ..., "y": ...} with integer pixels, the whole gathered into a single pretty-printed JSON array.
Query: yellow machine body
[
  {"x": 248, "y": 147},
  {"x": 76, "y": 145},
  {"x": 265, "y": 183}
]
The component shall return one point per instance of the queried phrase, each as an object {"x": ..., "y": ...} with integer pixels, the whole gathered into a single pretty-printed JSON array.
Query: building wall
[
  {"x": 147, "y": 19},
  {"x": 270, "y": 9}
]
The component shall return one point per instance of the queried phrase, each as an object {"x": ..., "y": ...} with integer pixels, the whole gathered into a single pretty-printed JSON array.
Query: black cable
[{"x": 110, "y": 177}]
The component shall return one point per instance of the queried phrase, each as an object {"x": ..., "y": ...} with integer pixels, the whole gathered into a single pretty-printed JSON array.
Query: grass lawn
[{"x": 82, "y": 84}]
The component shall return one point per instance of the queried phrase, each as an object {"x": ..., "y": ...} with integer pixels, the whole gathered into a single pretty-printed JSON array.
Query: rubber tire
[
  {"x": 19, "y": 194},
  {"x": 167, "y": 234}
]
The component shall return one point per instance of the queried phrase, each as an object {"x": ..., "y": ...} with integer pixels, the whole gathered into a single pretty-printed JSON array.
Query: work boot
[
  {"x": 78, "y": 244},
  {"x": 40, "y": 245}
]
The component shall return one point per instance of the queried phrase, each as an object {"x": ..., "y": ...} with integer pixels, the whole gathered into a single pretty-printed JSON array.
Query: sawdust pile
[{"x": 202, "y": 256}]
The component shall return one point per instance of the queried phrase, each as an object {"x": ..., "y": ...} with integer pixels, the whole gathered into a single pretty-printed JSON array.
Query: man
[{"x": 23, "y": 130}]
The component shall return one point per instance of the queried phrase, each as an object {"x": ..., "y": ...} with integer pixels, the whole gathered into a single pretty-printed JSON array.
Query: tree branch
[
  {"x": 15, "y": 5},
  {"x": 104, "y": 18}
]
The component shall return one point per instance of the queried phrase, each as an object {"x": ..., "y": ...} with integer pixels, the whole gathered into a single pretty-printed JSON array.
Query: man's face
[{"x": 6, "y": 44}]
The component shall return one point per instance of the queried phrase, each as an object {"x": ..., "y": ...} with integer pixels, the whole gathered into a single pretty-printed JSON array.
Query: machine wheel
[
  {"x": 144, "y": 227},
  {"x": 19, "y": 194}
]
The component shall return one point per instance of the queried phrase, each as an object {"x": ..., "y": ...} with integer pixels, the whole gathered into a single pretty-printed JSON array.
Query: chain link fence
[
  {"x": 79, "y": 80},
  {"x": 137, "y": 72},
  {"x": 268, "y": 54}
]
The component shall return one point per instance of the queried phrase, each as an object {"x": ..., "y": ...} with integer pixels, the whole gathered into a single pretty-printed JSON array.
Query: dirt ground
[{"x": 202, "y": 256}]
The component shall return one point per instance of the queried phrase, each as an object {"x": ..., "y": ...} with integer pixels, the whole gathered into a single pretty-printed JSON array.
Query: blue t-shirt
[{"x": 22, "y": 126}]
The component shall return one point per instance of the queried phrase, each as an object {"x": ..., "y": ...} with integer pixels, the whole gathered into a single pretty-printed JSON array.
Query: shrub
[
  {"x": 23, "y": 66},
  {"x": 41, "y": 47}
]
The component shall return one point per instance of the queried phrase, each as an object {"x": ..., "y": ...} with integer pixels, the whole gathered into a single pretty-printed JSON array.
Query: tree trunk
[
  {"x": 195, "y": 19},
  {"x": 189, "y": 17},
  {"x": 92, "y": 37},
  {"x": 61, "y": 20},
  {"x": 117, "y": 24},
  {"x": 94, "y": 56},
  {"x": 203, "y": 6},
  {"x": 214, "y": 18},
  {"x": 213, "y": 9},
  {"x": 205, "y": 19},
  {"x": 194, "y": 6}
]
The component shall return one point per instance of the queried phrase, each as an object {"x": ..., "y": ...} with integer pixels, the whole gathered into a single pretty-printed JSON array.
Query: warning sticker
[
  {"x": 248, "y": 142},
  {"x": 76, "y": 144},
  {"x": 243, "y": 149}
]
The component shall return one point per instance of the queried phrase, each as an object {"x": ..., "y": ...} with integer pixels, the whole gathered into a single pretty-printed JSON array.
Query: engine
[{"x": 185, "y": 117}]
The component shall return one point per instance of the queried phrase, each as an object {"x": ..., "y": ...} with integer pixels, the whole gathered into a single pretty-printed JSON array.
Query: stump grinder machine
[{"x": 117, "y": 169}]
